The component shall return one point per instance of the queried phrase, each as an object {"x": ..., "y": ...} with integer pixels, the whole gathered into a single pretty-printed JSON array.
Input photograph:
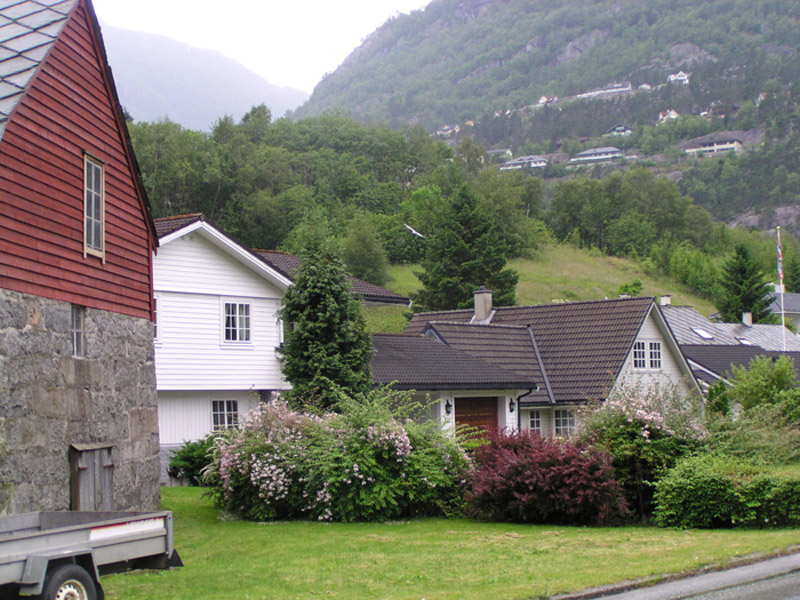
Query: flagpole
[{"x": 780, "y": 279}]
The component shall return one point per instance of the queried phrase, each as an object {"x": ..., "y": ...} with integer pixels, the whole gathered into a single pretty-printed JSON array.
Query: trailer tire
[{"x": 68, "y": 582}]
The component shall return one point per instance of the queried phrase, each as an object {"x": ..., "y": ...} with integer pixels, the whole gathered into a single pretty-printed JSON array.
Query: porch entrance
[{"x": 477, "y": 412}]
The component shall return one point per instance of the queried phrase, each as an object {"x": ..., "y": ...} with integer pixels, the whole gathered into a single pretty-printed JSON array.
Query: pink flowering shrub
[
  {"x": 524, "y": 477},
  {"x": 645, "y": 431},
  {"x": 368, "y": 463}
]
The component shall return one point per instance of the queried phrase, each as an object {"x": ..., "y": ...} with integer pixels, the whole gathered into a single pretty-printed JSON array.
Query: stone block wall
[{"x": 50, "y": 400}]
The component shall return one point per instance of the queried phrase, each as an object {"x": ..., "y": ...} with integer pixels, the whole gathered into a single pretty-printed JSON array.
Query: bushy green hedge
[
  {"x": 190, "y": 459},
  {"x": 371, "y": 462},
  {"x": 720, "y": 491}
]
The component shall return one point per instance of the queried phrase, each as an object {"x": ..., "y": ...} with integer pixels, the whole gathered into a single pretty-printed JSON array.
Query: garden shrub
[
  {"x": 645, "y": 431},
  {"x": 190, "y": 459},
  {"x": 371, "y": 462},
  {"x": 524, "y": 477},
  {"x": 720, "y": 491}
]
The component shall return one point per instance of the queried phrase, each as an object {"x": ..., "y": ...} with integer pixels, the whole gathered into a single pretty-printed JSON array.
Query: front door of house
[{"x": 477, "y": 412}]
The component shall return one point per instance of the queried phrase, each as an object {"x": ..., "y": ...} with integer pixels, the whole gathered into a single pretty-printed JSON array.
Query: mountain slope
[
  {"x": 158, "y": 77},
  {"x": 459, "y": 59}
]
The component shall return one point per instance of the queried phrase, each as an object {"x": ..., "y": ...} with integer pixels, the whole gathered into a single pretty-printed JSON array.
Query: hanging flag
[{"x": 780, "y": 257}]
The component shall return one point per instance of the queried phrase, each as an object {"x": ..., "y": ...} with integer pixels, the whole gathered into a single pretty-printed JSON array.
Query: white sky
[{"x": 290, "y": 43}]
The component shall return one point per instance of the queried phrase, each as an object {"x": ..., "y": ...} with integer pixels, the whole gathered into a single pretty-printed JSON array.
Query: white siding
[
  {"x": 186, "y": 416},
  {"x": 670, "y": 372},
  {"x": 193, "y": 279}
]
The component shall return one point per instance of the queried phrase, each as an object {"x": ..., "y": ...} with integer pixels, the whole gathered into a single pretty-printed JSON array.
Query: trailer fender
[{"x": 36, "y": 566}]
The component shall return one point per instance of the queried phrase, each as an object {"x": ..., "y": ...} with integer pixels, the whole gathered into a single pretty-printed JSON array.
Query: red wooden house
[{"x": 77, "y": 389}]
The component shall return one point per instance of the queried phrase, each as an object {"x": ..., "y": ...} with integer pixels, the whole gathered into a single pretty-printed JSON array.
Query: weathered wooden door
[
  {"x": 477, "y": 412},
  {"x": 91, "y": 477}
]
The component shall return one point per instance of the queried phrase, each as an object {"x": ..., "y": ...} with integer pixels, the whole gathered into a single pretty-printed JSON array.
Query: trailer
[{"x": 61, "y": 555}]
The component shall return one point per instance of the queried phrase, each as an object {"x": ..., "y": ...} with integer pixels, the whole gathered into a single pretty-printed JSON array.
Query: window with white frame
[
  {"x": 647, "y": 355},
  {"x": 564, "y": 422},
  {"x": 655, "y": 355},
  {"x": 224, "y": 414},
  {"x": 155, "y": 317},
  {"x": 77, "y": 332},
  {"x": 236, "y": 322},
  {"x": 535, "y": 422},
  {"x": 639, "y": 355},
  {"x": 94, "y": 207}
]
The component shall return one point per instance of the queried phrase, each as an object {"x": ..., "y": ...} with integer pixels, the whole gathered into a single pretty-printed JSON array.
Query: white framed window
[
  {"x": 655, "y": 355},
  {"x": 535, "y": 421},
  {"x": 639, "y": 355},
  {"x": 647, "y": 355},
  {"x": 236, "y": 322},
  {"x": 224, "y": 414},
  {"x": 77, "y": 330},
  {"x": 93, "y": 207},
  {"x": 564, "y": 422}
]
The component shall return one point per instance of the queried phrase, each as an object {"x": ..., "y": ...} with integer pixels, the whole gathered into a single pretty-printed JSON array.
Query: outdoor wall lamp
[
  {"x": 448, "y": 408},
  {"x": 511, "y": 405}
]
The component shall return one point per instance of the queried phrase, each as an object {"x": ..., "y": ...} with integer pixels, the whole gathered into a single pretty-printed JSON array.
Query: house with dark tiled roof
[
  {"x": 217, "y": 327},
  {"x": 567, "y": 354},
  {"x": 712, "y": 348}
]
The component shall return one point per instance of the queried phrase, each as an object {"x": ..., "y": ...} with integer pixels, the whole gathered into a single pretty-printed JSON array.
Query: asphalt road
[{"x": 772, "y": 579}]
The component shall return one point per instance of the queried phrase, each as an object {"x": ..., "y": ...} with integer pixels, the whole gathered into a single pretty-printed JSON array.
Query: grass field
[
  {"x": 560, "y": 273},
  {"x": 227, "y": 559}
]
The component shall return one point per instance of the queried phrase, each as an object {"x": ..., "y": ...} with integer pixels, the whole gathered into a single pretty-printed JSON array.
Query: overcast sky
[{"x": 290, "y": 43}]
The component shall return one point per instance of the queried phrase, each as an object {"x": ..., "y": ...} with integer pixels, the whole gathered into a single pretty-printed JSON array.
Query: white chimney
[
  {"x": 483, "y": 304},
  {"x": 666, "y": 300},
  {"x": 747, "y": 319}
]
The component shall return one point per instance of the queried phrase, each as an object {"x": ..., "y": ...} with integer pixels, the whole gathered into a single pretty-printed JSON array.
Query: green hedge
[{"x": 718, "y": 491}]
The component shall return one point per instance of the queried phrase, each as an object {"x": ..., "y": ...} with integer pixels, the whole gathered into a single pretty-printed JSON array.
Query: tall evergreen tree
[
  {"x": 326, "y": 347},
  {"x": 463, "y": 252},
  {"x": 744, "y": 289}
]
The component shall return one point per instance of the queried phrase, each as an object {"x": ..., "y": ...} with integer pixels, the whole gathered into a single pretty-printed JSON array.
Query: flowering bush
[
  {"x": 523, "y": 477},
  {"x": 369, "y": 463},
  {"x": 645, "y": 432}
]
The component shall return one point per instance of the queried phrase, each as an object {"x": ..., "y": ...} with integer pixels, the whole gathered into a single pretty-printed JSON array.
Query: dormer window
[{"x": 93, "y": 207}]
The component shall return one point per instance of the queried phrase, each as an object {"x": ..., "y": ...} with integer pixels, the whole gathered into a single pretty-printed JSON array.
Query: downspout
[{"x": 519, "y": 412}]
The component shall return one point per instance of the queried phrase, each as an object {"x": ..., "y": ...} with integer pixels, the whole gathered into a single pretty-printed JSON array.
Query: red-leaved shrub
[{"x": 524, "y": 477}]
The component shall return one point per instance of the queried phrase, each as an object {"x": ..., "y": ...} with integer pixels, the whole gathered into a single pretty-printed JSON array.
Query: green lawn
[{"x": 429, "y": 558}]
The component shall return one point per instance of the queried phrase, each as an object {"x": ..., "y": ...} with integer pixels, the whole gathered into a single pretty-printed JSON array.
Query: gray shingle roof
[
  {"x": 582, "y": 345},
  {"x": 685, "y": 323},
  {"x": 423, "y": 363},
  {"x": 28, "y": 30},
  {"x": 720, "y": 359}
]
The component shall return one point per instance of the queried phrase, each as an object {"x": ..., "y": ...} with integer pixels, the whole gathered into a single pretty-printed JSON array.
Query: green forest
[{"x": 394, "y": 196}]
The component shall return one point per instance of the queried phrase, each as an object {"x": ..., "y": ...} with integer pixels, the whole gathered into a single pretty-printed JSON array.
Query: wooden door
[
  {"x": 477, "y": 412},
  {"x": 91, "y": 477}
]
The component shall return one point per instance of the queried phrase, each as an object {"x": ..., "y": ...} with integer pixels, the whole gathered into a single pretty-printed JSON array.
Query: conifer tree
[
  {"x": 463, "y": 253},
  {"x": 326, "y": 347},
  {"x": 744, "y": 289}
]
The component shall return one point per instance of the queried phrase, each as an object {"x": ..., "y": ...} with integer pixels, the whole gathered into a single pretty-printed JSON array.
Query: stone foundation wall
[{"x": 50, "y": 400}]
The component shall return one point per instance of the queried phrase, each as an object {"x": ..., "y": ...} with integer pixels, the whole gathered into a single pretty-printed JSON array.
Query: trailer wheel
[{"x": 68, "y": 582}]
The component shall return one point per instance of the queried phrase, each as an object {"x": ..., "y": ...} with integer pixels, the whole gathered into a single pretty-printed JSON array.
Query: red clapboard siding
[{"x": 68, "y": 110}]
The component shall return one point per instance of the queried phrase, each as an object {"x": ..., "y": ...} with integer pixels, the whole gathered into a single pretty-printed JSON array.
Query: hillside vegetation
[{"x": 456, "y": 60}]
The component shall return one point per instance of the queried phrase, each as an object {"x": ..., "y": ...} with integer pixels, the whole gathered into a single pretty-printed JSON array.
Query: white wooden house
[{"x": 216, "y": 332}]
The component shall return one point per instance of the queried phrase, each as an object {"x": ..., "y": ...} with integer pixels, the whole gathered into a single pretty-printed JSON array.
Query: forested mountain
[
  {"x": 458, "y": 60},
  {"x": 158, "y": 77}
]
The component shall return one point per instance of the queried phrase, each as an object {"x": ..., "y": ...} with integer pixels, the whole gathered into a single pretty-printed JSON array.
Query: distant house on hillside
[
  {"x": 596, "y": 155},
  {"x": 715, "y": 143},
  {"x": 679, "y": 77},
  {"x": 77, "y": 378},
  {"x": 668, "y": 115},
  {"x": 524, "y": 162},
  {"x": 499, "y": 154},
  {"x": 612, "y": 89},
  {"x": 530, "y": 367},
  {"x": 619, "y": 130}
]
